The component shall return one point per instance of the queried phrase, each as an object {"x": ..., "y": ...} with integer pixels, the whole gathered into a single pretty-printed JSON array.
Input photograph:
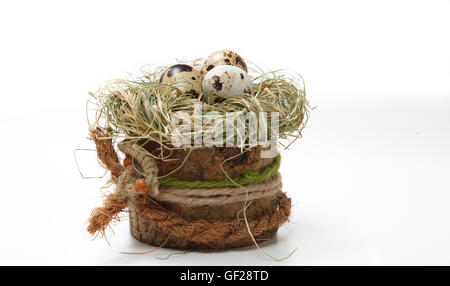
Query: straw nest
[{"x": 140, "y": 109}]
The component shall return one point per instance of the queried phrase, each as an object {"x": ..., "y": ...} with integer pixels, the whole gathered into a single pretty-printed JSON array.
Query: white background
[{"x": 370, "y": 180}]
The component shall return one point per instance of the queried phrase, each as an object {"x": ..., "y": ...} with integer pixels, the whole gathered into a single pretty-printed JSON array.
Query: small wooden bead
[
  {"x": 141, "y": 187},
  {"x": 127, "y": 162}
]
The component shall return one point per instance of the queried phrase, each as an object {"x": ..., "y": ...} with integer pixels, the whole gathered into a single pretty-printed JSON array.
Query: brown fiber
[
  {"x": 105, "y": 152},
  {"x": 200, "y": 233},
  {"x": 101, "y": 217}
]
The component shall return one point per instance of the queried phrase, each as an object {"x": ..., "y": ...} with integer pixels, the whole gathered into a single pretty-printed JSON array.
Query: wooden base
[{"x": 205, "y": 164}]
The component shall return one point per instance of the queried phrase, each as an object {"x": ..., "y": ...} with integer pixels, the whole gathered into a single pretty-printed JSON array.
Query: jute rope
[
  {"x": 202, "y": 197},
  {"x": 221, "y": 196},
  {"x": 147, "y": 163},
  {"x": 215, "y": 234}
]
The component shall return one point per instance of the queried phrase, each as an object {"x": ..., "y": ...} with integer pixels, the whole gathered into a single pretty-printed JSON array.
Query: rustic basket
[
  {"x": 204, "y": 165},
  {"x": 202, "y": 217}
]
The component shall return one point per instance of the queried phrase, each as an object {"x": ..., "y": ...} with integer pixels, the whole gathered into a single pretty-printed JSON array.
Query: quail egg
[
  {"x": 223, "y": 57},
  {"x": 223, "y": 82},
  {"x": 184, "y": 77}
]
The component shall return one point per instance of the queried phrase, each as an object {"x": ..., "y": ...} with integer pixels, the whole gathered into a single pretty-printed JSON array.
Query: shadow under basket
[{"x": 203, "y": 227}]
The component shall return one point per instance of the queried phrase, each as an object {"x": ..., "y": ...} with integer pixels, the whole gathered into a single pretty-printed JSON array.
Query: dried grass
[{"x": 141, "y": 108}]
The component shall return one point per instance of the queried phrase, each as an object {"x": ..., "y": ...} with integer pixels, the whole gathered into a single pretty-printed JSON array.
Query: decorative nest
[
  {"x": 142, "y": 108},
  {"x": 193, "y": 197}
]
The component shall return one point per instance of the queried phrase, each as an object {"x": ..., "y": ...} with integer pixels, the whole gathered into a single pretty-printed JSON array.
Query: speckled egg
[
  {"x": 184, "y": 77},
  {"x": 223, "y": 57},
  {"x": 225, "y": 81}
]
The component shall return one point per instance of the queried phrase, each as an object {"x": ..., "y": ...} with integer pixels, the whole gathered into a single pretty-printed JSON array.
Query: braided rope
[
  {"x": 147, "y": 163},
  {"x": 200, "y": 233},
  {"x": 202, "y": 197}
]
